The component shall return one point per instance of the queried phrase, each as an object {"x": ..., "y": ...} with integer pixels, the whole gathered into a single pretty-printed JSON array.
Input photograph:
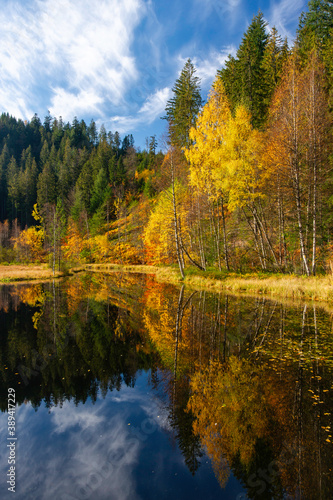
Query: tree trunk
[
  {"x": 295, "y": 171},
  {"x": 54, "y": 240},
  {"x": 175, "y": 221},
  {"x": 299, "y": 219},
  {"x": 226, "y": 251}
]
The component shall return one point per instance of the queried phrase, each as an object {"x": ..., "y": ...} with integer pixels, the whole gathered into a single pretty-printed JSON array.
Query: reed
[
  {"x": 297, "y": 287},
  {"x": 318, "y": 288},
  {"x": 16, "y": 272}
]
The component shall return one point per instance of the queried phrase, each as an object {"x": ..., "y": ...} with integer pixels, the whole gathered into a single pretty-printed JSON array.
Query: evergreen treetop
[{"x": 183, "y": 108}]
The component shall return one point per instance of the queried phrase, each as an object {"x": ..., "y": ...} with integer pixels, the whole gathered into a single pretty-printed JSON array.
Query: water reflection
[{"x": 247, "y": 382}]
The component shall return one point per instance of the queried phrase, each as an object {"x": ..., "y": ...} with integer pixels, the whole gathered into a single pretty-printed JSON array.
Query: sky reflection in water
[
  {"x": 134, "y": 390},
  {"x": 119, "y": 448}
]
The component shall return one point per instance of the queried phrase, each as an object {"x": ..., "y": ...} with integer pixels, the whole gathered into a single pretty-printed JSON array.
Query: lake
[{"x": 119, "y": 387}]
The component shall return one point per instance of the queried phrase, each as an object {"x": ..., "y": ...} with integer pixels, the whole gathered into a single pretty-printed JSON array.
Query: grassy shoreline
[
  {"x": 14, "y": 273},
  {"x": 317, "y": 288}
]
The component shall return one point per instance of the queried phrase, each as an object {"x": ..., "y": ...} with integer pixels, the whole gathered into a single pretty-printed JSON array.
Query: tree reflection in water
[{"x": 247, "y": 380}]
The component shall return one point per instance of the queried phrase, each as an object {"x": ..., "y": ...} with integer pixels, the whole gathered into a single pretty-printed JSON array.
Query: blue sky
[{"x": 116, "y": 61}]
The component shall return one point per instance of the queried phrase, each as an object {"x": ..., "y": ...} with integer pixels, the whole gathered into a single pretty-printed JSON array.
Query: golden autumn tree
[
  {"x": 226, "y": 162},
  {"x": 161, "y": 234},
  {"x": 237, "y": 405},
  {"x": 30, "y": 242},
  {"x": 204, "y": 157},
  {"x": 74, "y": 243},
  {"x": 246, "y": 178},
  {"x": 318, "y": 123},
  {"x": 167, "y": 234},
  {"x": 298, "y": 149}
]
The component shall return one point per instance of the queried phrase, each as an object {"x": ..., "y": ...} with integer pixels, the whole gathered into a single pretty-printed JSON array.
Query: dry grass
[
  {"x": 319, "y": 288},
  {"x": 295, "y": 287},
  {"x": 110, "y": 268},
  {"x": 164, "y": 274},
  {"x": 12, "y": 273}
]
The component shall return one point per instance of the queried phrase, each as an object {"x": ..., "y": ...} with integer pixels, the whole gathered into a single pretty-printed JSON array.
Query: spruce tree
[
  {"x": 4, "y": 160},
  {"x": 315, "y": 26},
  {"x": 231, "y": 81},
  {"x": 99, "y": 190},
  {"x": 13, "y": 188},
  {"x": 250, "y": 55},
  {"x": 47, "y": 186},
  {"x": 275, "y": 55},
  {"x": 243, "y": 76},
  {"x": 183, "y": 108}
]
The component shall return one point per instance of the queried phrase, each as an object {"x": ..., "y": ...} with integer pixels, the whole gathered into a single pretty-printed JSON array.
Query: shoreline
[
  {"x": 282, "y": 286},
  {"x": 316, "y": 288},
  {"x": 22, "y": 273}
]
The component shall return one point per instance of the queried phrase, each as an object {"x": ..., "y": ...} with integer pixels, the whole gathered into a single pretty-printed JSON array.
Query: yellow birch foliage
[
  {"x": 159, "y": 234},
  {"x": 241, "y": 170},
  {"x": 208, "y": 138},
  {"x": 100, "y": 247},
  {"x": 74, "y": 244},
  {"x": 32, "y": 295},
  {"x": 29, "y": 244},
  {"x": 226, "y": 154},
  {"x": 125, "y": 253}
]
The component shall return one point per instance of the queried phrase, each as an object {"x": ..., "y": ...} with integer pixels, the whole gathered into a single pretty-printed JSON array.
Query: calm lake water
[{"x": 128, "y": 389}]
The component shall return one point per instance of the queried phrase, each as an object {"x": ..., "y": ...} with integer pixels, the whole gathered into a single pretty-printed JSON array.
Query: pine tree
[
  {"x": 231, "y": 81},
  {"x": 99, "y": 189},
  {"x": 13, "y": 187},
  {"x": 315, "y": 26},
  {"x": 243, "y": 76},
  {"x": 57, "y": 132},
  {"x": 250, "y": 55},
  {"x": 27, "y": 180},
  {"x": 47, "y": 186},
  {"x": 275, "y": 55},
  {"x": 4, "y": 160},
  {"x": 183, "y": 108},
  {"x": 92, "y": 133},
  {"x": 85, "y": 181}
]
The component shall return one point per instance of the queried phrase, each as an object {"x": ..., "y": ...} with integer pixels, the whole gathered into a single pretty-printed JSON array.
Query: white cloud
[
  {"x": 64, "y": 418},
  {"x": 80, "y": 53},
  {"x": 152, "y": 108},
  {"x": 14, "y": 101},
  {"x": 102, "y": 58},
  {"x": 221, "y": 8},
  {"x": 207, "y": 68},
  {"x": 286, "y": 13},
  {"x": 89, "y": 451},
  {"x": 68, "y": 104},
  {"x": 155, "y": 104}
]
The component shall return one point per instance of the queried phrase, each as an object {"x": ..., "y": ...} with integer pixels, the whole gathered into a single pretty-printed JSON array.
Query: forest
[{"x": 243, "y": 181}]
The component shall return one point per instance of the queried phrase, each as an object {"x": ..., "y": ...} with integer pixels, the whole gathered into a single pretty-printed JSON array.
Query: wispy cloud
[
  {"x": 84, "y": 47},
  {"x": 284, "y": 15},
  {"x": 152, "y": 108},
  {"x": 89, "y": 451},
  {"x": 75, "y": 104},
  {"x": 67, "y": 419},
  {"x": 154, "y": 105},
  {"x": 207, "y": 68},
  {"x": 221, "y": 8},
  {"x": 105, "y": 58}
]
